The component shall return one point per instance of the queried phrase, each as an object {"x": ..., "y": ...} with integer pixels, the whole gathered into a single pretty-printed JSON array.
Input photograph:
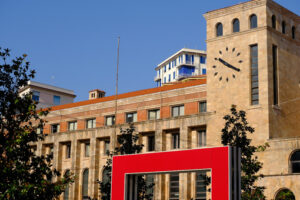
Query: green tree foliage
[
  {"x": 236, "y": 133},
  {"x": 23, "y": 175},
  {"x": 285, "y": 194},
  {"x": 127, "y": 145}
]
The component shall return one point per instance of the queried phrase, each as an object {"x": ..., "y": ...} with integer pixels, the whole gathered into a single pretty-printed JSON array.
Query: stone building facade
[{"x": 253, "y": 58}]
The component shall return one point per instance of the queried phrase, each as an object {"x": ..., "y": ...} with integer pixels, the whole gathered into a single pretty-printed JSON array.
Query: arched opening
[
  {"x": 85, "y": 184},
  {"x": 295, "y": 162},
  {"x": 253, "y": 21},
  {"x": 294, "y": 32},
  {"x": 219, "y": 29},
  {"x": 274, "y": 21},
  {"x": 67, "y": 190},
  {"x": 283, "y": 26},
  {"x": 285, "y": 194},
  {"x": 236, "y": 25}
]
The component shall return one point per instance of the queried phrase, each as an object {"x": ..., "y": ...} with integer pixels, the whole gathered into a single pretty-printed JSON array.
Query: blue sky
[{"x": 73, "y": 43}]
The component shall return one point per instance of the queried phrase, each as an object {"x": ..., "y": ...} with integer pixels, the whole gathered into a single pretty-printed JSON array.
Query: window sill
[
  {"x": 255, "y": 107},
  {"x": 276, "y": 107}
]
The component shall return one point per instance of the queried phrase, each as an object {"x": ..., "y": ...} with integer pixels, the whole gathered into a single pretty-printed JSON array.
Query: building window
[
  {"x": 153, "y": 114},
  {"x": 177, "y": 111},
  {"x": 165, "y": 80},
  {"x": 91, "y": 123},
  {"x": 294, "y": 32},
  {"x": 169, "y": 77},
  {"x": 68, "y": 150},
  {"x": 219, "y": 29},
  {"x": 110, "y": 120},
  {"x": 202, "y": 106},
  {"x": 131, "y": 117},
  {"x": 201, "y": 138},
  {"x": 254, "y": 75},
  {"x": 201, "y": 187},
  {"x": 174, "y": 186},
  {"x": 275, "y": 76},
  {"x": 283, "y": 26},
  {"x": 87, "y": 149},
  {"x": 174, "y": 75},
  {"x": 295, "y": 162},
  {"x": 202, "y": 60},
  {"x": 151, "y": 143},
  {"x": 236, "y": 25},
  {"x": 67, "y": 189},
  {"x": 253, "y": 21},
  {"x": 175, "y": 141},
  {"x": 55, "y": 128},
  {"x": 36, "y": 96},
  {"x": 274, "y": 21},
  {"x": 165, "y": 68},
  {"x": 85, "y": 184},
  {"x": 73, "y": 126},
  {"x": 150, "y": 181},
  {"x": 106, "y": 147},
  {"x": 56, "y": 100},
  {"x": 285, "y": 194},
  {"x": 106, "y": 176},
  {"x": 40, "y": 130},
  {"x": 50, "y": 149}
]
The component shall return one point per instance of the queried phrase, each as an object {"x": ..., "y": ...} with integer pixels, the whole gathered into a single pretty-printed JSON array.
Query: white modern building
[
  {"x": 184, "y": 63},
  {"x": 48, "y": 95}
]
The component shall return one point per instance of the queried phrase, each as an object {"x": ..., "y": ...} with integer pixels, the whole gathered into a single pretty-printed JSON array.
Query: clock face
[{"x": 227, "y": 64}]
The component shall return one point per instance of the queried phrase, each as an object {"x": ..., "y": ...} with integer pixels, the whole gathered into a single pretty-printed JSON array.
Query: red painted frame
[{"x": 218, "y": 160}]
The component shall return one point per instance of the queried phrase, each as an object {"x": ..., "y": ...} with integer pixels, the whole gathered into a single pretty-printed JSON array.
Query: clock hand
[{"x": 228, "y": 65}]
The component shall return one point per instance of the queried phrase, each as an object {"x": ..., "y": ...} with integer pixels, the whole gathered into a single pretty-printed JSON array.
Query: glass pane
[
  {"x": 175, "y": 111},
  {"x": 135, "y": 117},
  {"x": 181, "y": 110},
  {"x": 106, "y": 147},
  {"x": 85, "y": 183},
  {"x": 87, "y": 149}
]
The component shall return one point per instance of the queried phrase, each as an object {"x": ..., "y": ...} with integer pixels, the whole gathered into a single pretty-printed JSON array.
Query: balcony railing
[
  {"x": 185, "y": 75},
  {"x": 156, "y": 78}
]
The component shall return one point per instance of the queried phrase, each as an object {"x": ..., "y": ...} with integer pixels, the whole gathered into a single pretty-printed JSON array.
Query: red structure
[{"x": 218, "y": 160}]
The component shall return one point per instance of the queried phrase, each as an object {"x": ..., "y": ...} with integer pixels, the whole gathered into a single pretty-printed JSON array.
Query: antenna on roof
[{"x": 116, "y": 96}]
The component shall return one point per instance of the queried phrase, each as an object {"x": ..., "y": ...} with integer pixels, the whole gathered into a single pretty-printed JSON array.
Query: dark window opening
[
  {"x": 151, "y": 143},
  {"x": 175, "y": 141},
  {"x": 253, "y": 21},
  {"x": 203, "y": 106},
  {"x": 294, "y": 32},
  {"x": 274, "y": 21},
  {"x": 295, "y": 162},
  {"x": 174, "y": 186},
  {"x": 219, "y": 29},
  {"x": 236, "y": 25},
  {"x": 254, "y": 75},
  {"x": 283, "y": 27},
  {"x": 275, "y": 75}
]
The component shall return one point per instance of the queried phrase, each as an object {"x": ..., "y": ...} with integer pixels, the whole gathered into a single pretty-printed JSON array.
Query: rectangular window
[
  {"x": 51, "y": 150},
  {"x": 150, "y": 181},
  {"x": 106, "y": 147},
  {"x": 254, "y": 75},
  {"x": 175, "y": 141},
  {"x": 169, "y": 77},
  {"x": 202, "y": 59},
  {"x": 169, "y": 65},
  {"x": 202, "y": 106},
  {"x": 73, "y": 126},
  {"x": 201, "y": 138},
  {"x": 165, "y": 68},
  {"x": 275, "y": 75},
  {"x": 39, "y": 130},
  {"x": 151, "y": 143},
  {"x": 174, "y": 75},
  {"x": 68, "y": 150},
  {"x": 36, "y": 96},
  {"x": 165, "y": 80},
  {"x": 91, "y": 123},
  {"x": 110, "y": 120},
  {"x": 56, "y": 100},
  {"x": 203, "y": 71},
  {"x": 201, "y": 187},
  {"x": 174, "y": 186},
  {"x": 153, "y": 114},
  {"x": 131, "y": 117},
  {"x": 177, "y": 111},
  {"x": 87, "y": 149},
  {"x": 55, "y": 128}
]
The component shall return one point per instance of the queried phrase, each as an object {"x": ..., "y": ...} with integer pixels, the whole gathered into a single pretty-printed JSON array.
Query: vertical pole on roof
[{"x": 116, "y": 96}]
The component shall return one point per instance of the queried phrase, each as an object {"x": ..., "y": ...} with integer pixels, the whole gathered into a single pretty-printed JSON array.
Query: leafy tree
[
  {"x": 127, "y": 145},
  {"x": 23, "y": 175},
  {"x": 285, "y": 195},
  {"x": 235, "y": 133}
]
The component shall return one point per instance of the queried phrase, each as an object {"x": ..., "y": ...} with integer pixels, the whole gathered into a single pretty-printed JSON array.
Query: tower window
[
  {"x": 253, "y": 21},
  {"x": 275, "y": 78},
  {"x": 295, "y": 162},
  {"x": 254, "y": 75},
  {"x": 274, "y": 21},
  {"x": 219, "y": 29},
  {"x": 236, "y": 25},
  {"x": 283, "y": 27},
  {"x": 294, "y": 32}
]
